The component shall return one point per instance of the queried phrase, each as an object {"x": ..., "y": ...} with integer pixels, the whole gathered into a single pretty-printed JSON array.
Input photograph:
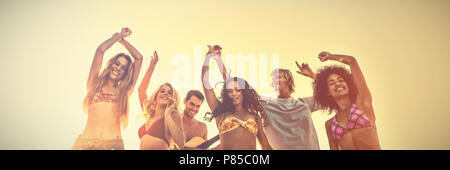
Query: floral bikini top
[
  {"x": 230, "y": 123},
  {"x": 356, "y": 120},
  {"x": 102, "y": 96}
]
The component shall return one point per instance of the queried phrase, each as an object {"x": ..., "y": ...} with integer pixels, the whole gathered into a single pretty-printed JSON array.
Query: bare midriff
[
  {"x": 360, "y": 139},
  {"x": 238, "y": 139},
  {"x": 103, "y": 121}
]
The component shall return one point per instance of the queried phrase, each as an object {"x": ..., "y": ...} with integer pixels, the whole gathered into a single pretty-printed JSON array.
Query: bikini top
[
  {"x": 357, "y": 119},
  {"x": 230, "y": 123},
  {"x": 102, "y": 96},
  {"x": 156, "y": 129}
]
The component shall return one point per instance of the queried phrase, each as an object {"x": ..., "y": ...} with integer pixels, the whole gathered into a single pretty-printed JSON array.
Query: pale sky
[{"x": 48, "y": 45}]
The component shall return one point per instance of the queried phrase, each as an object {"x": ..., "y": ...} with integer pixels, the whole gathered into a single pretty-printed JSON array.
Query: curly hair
[
  {"x": 250, "y": 103},
  {"x": 321, "y": 93}
]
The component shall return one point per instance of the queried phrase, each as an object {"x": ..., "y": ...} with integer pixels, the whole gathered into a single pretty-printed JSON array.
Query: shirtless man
[{"x": 194, "y": 130}]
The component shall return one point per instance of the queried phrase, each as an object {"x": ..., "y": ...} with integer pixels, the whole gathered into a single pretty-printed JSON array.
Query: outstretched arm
[
  {"x": 136, "y": 64},
  {"x": 305, "y": 70},
  {"x": 142, "y": 90},
  {"x": 98, "y": 57}
]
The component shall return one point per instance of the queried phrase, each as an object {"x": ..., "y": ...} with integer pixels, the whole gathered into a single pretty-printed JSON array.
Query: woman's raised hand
[
  {"x": 215, "y": 50},
  {"x": 154, "y": 59},
  {"x": 324, "y": 56},
  {"x": 125, "y": 32}
]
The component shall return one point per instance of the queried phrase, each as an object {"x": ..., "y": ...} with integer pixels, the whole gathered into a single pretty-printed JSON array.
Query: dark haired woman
[
  {"x": 237, "y": 114},
  {"x": 338, "y": 90},
  {"x": 107, "y": 100}
]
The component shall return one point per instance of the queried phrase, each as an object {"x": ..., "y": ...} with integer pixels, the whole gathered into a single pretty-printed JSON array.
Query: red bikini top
[{"x": 156, "y": 130}]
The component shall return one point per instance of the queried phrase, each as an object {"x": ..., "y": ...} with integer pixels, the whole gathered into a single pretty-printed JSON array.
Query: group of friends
[{"x": 242, "y": 116}]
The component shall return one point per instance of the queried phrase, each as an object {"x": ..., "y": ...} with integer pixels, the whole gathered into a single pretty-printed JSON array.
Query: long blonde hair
[
  {"x": 149, "y": 104},
  {"x": 124, "y": 86},
  {"x": 149, "y": 107}
]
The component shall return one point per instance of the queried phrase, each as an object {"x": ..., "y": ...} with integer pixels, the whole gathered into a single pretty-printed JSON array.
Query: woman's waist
[
  {"x": 239, "y": 145},
  {"x": 102, "y": 130},
  {"x": 238, "y": 141},
  {"x": 105, "y": 135}
]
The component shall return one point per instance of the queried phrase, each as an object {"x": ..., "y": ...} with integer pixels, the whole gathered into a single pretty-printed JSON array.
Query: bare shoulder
[{"x": 201, "y": 125}]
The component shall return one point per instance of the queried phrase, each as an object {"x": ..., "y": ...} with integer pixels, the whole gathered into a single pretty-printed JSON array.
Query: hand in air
[
  {"x": 305, "y": 70},
  {"x": 324, "y": 56},
  {"x": 216, "y": 49},
  {"x": 154, "y": 59},
  {"x": 125, "y": 32}
]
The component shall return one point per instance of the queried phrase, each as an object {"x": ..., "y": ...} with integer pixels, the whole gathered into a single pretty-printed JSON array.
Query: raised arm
[
  {"x": 142, "y": 90},
  {"x": 210, "y": 96},
  {"x": 217, "y": 56},
  {"x": 364, "y": 97},
  {"x": 305, "y": 70},
  {"x": 98, "y": 57},
  {"x": 137, "y": 62},
  {"x": 357, "y": 75}
]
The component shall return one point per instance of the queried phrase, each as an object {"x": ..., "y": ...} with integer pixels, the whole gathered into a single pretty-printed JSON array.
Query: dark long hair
[
  {"x": 321, "y": 93},
  {"x": 250, "y": 103}
]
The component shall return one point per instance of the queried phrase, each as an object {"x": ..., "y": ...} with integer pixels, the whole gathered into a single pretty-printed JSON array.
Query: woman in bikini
[
  {"x": 106, "y": 102},
  {"x": 338, "y": 90},
  {"x": 163, "y": 129},
  {"x": 237, "y": 114}
]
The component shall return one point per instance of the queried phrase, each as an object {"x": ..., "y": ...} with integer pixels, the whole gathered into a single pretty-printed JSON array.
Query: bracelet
[{"x": 340, "y": 59}]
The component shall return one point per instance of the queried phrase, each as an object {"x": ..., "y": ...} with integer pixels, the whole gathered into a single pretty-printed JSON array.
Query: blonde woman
[
  {"x": 163, "y": 129},
  {"x": 107, "y": 100}
]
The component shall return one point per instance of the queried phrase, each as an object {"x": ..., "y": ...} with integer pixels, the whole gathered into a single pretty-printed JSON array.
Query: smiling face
[
  {"x": 280, "y": 83},
  {"x": 118, "y": 68},
  {"x": 162, "y": 98},
  {"x": 192, "y": 106},
  {"x": 337, "y": 87},
  {"x": 234, "y": 93}
]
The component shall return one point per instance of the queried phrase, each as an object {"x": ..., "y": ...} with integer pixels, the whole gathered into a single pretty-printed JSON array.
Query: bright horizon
[{"x": 48, "y": 47}]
